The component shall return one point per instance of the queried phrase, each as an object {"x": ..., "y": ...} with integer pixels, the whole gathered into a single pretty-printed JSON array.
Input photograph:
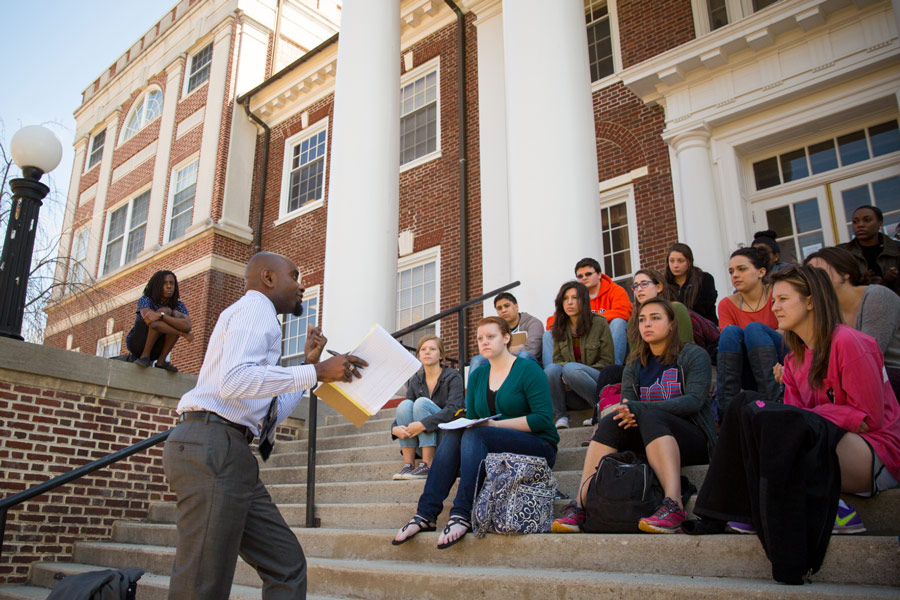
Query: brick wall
[
  {"x": 60, "y": 410},
  {"x": 650, "y": 28}
]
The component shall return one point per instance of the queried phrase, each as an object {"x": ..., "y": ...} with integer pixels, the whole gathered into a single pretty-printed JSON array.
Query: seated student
[
  {"x": 690, "y": 285},
  {"x": 647, "y": 284},
  {"x": 582, "y": 346},
  {"x": 514, "y": 388},
  {"x": 608, "y": 299},
  {"x": 507, "y": 308},
  {"x": 874, "y": 251},
  {"x": 749, "y": 346},
  {"x": 161, "y": 319},
  {"x": 765, "y": 241},
  {"x": 433, "y": 396},
  {"x": 837, "y": 373},
  {"x": 871, "y": 309},
  {"x": 665, "y": 413}
]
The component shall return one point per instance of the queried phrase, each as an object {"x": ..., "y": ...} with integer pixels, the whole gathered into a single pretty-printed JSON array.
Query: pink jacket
[{"x": 856, "y": 388}]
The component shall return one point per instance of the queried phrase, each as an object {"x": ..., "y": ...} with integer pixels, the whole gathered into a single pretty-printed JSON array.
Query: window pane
[
  {"x": 97, "y": 149},
  {"x": 135, "y": 243},
  {"x": 134, "y": 123},
  {"x": 766, "y": 173},
  {"x": 793, "y": 165},
  {"x": 600, "y": 48},
  {"x": 779, "y": 220},
  {"x": 807, "y": 216},
  {"x": 761, "y": 4},
  {"x": 200, "y": 68},
  {"x": 823, "y": 157},
  {"x": 854, "y": 198},
  {"x": 113, "y": 255},
  {"x": 718, "y": 14},
  {"x": 853, "y": 147},
  {"x": 887, "y": 194},
  {"x": 810, "y": 243},
  {"x": 885, "y": 138},
  {"x": 154, "y": 106}
]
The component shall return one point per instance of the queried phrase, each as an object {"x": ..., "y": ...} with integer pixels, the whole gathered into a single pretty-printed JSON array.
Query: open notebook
[{"x": 390, "y": 366}]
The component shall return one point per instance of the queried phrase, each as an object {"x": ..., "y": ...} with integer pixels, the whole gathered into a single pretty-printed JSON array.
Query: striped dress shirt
[{"x": 241, "y": 370}]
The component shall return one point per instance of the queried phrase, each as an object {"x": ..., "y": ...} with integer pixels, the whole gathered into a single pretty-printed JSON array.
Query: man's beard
[{"x": 298, "y": 309}]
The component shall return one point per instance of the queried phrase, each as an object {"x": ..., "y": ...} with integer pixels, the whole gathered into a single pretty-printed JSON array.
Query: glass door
[
  {"x": 879, "y": 188},
  {"x": 801, "y": 221}
]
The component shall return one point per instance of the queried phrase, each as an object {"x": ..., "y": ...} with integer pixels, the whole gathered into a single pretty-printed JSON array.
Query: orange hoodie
[{"x": 611, "y": 301}]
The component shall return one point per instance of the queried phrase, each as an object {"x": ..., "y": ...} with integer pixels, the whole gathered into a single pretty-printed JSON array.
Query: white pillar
[
  {"x": 155, "y": 215},
  {"x": 495, "y": 250},
  {"x": 700, "y": 208},
  {"x": 551, "y": 151},
  {"x": 363, "y": 198}
]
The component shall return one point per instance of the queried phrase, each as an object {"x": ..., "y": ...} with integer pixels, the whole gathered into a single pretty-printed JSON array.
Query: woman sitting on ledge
[
  {"x": 161, "y": 319},
  {"x": 514, "y": 388}
]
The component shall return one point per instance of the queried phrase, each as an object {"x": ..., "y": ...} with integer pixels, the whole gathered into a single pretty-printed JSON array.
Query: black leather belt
[{"x": 211, "y": 417}]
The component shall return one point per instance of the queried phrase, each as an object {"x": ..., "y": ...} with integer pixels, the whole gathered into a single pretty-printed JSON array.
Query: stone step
[
  {"x": 151, "y": 586},
  {"x": 345, "y": 428},
  {"x": 850, "y": 559}
]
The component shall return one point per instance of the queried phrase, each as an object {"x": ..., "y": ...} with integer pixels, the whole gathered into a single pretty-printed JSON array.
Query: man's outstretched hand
[{"x": 315, "y": 343}]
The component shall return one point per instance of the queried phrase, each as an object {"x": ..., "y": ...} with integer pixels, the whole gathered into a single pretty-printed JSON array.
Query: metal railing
[{"x": 311, "y": 520}]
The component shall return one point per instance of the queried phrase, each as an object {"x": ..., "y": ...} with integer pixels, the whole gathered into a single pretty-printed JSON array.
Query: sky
[{"x": 53, "y": 49}]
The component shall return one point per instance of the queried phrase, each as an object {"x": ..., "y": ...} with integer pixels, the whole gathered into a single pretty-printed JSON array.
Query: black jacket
[
  {"x": 98, "y": 585},
  {"x": 448, "y": 394},
  {"x": 705, "y": 302}
]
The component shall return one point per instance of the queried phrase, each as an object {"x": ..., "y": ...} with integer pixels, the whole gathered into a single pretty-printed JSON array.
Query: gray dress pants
[{"x": 224, "y": 511}]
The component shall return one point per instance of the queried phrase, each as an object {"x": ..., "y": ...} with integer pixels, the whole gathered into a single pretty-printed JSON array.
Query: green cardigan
[{"x": 524, "y": 393}]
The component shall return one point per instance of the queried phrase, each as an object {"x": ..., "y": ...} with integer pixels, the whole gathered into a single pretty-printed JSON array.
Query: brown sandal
[{"x": 422, "y": 523}]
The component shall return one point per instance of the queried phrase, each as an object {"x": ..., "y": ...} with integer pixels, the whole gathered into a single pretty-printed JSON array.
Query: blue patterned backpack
[{"x": 516, "y": 496}]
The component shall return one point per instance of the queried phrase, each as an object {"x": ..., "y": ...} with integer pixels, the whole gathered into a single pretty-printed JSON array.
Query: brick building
[{"x": 610, "y": 128}]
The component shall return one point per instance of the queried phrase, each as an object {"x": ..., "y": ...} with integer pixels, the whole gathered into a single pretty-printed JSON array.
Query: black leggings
[{"x": 654, "y": 424}]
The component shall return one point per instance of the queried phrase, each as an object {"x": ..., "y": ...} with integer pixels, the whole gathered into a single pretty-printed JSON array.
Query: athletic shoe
[
  {"x": 588, "y": 422},
  {"x": 666, "y": 519},
  {"x": 738, "y": 527},
  {"x": 562, "y": 423},
  {"x": 420, "y": 472},
  {"x": 570, "y": 521},
  {"x": 407, "y": 468},
  {"x": 847, "y": 521}
]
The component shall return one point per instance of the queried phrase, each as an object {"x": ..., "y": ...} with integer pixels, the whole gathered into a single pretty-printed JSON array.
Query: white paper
[
  {"x": 390, "y": 366},
  {"x": 462, "y": 422}
]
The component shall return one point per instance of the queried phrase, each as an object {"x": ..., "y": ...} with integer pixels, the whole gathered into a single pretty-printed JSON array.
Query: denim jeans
[
  {"x": 618, "y": 328},
  {"x": 547, "y": 349},
  {"x": 461, "y": 452},
  {"x": 582, "y": 380},
  {"x": 735, "y": 339},
  {"x": 478, "y": 360},
  {"x": 410, "y": 412}
]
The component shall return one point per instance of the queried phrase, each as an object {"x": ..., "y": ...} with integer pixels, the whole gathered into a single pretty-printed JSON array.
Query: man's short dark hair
[
  {"x": 504, "y": 296},
  {"x": 588, "y": 262}
]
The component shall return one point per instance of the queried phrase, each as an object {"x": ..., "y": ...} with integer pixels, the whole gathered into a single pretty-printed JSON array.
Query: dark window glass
[
  {"x": 885, "y": 138},
  {"x": 793, "y": 165},
  {"x": 599, "y": 41},
  {"x": 853, "y": 147},
  {"x": 718, "y": 14},
  {"x": 761, "y": 4},
  {"x": 823, "y": 157},
  {"x": 766, "y": 173}
]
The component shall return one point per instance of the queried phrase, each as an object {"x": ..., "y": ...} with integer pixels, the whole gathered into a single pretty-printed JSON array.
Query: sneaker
[
  {"x": 588, "y": 422},
  {"x": 570, "y": 521},
  {"x": 420, "y": 472},
  {"x": 562, "y": 423},
  {"x": 587, "y": 442},
  {"x": 847, "y": 521},
  {"x": 143, "y": 362},
  {"x": 738, "y": 527},
  {"x": 407, "y": 468},
  {"x": 666, "y": 519}
]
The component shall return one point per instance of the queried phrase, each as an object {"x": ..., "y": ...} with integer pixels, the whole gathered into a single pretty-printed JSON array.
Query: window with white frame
[
  {"x": 182, "y": 210},
  {"x": 304, "y": 179},
  {"x": 110, "y": 346},
  {"x": 618, "y": 232},
  {"x": 200, "y": 65},
  {"x": 125, "y": 230},
  {"x": 293, "y": 329},
  {"x": 417, "y": 293},
  {"x": 419, "y": 121},
  {"x": 710, "y": 15},
  {"x": 600, "y": 41},
  {"x": 145, "y": 110},
  {"x": 96, "y": 148},
  {"x": 77, "y": 257}
]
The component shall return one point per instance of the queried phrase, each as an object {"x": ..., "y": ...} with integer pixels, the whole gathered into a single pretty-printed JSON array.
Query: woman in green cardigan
[{"x": 515, "y": 389}]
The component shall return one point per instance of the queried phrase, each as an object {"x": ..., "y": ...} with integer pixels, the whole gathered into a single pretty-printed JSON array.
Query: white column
[
  {"x": 551, "y": 151},
  {"x": 155, "y": 214},
  {"x": 361, "y": 240},
  {"x": 212, "y": 121},
  {"x": 700, "y": 208},
  {"x": 495, "y": 249}
]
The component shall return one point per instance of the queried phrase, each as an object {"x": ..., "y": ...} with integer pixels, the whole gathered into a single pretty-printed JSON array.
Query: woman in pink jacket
[{"x": 838, "y": 373}]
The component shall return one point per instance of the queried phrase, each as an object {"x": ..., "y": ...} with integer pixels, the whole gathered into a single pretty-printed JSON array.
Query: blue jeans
[
  {"x": 582, "y": 380},
  {"x": 478, "y": 360},
  {"x": 547, "y": 349},
  {"x": 618, "y": 328},
  {"x": 410, "y": 412},
  {"x": 461, "y": 452},
  {"x": 735, "y": 339}
]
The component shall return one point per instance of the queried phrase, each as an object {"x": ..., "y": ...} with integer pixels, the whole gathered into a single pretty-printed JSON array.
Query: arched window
[{"x": 145, "y": 110}]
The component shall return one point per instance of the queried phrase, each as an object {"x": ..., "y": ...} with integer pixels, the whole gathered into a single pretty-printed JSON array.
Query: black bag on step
[
  {"x": 109, "y": 584},
  {"x": 623, "y": 491}
]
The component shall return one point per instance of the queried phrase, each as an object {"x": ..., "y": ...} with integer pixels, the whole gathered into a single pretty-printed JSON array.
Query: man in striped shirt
[{"x": 224, "y": 509}]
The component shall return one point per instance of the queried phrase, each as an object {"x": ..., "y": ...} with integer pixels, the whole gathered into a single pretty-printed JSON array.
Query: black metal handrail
[{"x": 311, "y": 520}]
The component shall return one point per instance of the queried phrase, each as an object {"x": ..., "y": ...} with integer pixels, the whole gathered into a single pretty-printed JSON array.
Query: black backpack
[{"x": 623, "y": 491}]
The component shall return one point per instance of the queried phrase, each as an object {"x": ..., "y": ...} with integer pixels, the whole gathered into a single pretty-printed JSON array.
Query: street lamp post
[{"x": 36, "y": 151}]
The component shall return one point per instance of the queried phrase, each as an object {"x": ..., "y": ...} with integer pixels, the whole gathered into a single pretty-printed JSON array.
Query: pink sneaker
[
  {"x": 666, "y": 519},
  {"x": 571, "y": 520}
]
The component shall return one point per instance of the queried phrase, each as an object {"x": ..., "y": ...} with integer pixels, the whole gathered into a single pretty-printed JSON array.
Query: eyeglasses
[{"x": 641, "y": 284}]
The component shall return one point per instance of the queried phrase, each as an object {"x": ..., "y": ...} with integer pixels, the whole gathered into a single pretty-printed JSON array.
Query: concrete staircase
[{"x": 360, "y": 509}]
